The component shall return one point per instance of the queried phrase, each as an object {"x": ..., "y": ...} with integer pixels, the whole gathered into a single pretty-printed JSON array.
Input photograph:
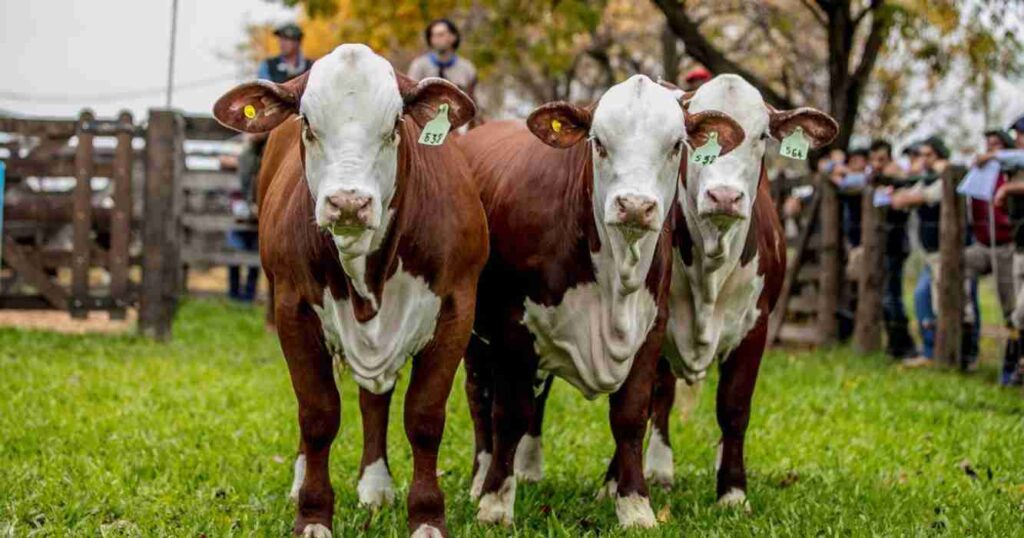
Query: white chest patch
[
  {"x": 709, "y": 314},
  {"x": 590, "y": 339},
  {"x": 377, "y": 349}
]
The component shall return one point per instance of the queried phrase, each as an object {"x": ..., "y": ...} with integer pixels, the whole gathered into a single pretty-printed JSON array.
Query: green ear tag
[
  {"x": 795, "y": 145},
  {"x": 707, "y": 153},
  {"x": 435, "y": 131}
]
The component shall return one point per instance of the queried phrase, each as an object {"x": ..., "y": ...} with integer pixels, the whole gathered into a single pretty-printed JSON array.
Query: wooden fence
[{"x": 105, "y": 214}]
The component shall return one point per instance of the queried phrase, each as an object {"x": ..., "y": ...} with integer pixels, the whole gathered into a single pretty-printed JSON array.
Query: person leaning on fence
[
  {"x": 1010, "y": 198},
  {"x": 885, "y": 172},
  {"x": 924, "y": 195},
  {"x": 850, "y": 176},
  {"x": 281, "y": 68}
]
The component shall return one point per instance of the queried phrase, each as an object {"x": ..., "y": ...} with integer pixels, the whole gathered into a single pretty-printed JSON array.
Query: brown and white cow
[
  {"x": 577, "y": 279},
  {"x": 728, "y": 263},
  {"x": 374, "y": 245}
]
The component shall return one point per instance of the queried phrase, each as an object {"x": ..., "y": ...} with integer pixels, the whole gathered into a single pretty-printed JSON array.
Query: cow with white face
[
  {"x": 729, "y": 260},
  {"x": 373, "y": 244},
  {"x": 577, "y": 281}
]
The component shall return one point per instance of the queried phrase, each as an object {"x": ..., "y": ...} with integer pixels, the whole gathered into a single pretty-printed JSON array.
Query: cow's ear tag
[
  {"x": 707, "y": 153},
  {"x": 795, "y": 145},
  {"x": 249, "y": 111},
  {"x": 556, "y": 126},
  {"x": 435, "y": 131}
]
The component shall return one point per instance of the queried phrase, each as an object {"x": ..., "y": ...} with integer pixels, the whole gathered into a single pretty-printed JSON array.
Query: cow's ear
[
  {"x": 560, "y": 124},
  {"x": 818, "y": 127},
  {"x": 423, "y": 99},
  {"x": 258, "y": 107},
  {"x": 700, "y": 125}
]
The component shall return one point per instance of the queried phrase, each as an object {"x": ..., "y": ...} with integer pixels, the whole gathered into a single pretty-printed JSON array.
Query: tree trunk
[
  {"x": 669, "y": 55},
  {"x": 867, "y": 334}
]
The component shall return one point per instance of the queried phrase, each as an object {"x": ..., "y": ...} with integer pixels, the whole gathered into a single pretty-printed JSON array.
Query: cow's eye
[
  {"x": 677, "y": 147},
  {"x": 307, "y": 131},
  {"x": 600, "y": 147},
  {"x": 764, "y": 136}
]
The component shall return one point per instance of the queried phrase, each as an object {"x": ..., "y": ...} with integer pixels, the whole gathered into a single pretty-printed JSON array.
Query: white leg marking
[
  {"x": 376, "y": 487},
  {"x": 635, "y": 511},
  {"x": 607, "y": 491},
  {"x": 426, "y": 531},
  {"x": 316, "y": 530},
  {"x": 735, "y": 497},
  {"x": 499, "y": 506},
  {"x": 718, "y": 457},
  {"x": 529, "y": 460},
  {"x": 483, "y": 461},
  {"x": 658, "y": 467},
  {"x": 300, "y": 476}
]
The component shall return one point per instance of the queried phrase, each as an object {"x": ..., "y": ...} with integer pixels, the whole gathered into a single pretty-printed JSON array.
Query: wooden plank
[
  {"x": 38, "y": 302},
  {"x": 81, "y": 221},
  {"x": 206, "y": 128},
  {"x": 799, "y": 334},
  {"x": 165, "y": 164},
  {"x": 121, "y": 222},
  {"x": 56, "y": 167},
  {"x": 18, "y": 258},
  {"x": 206, "y": 222},
  {"x": 867, "y": 332},
  {"x": 793, "y": 268},
  {"x": 43, "y": 127},
  {"x": 949, "y": 280},
  {"x": 200, "y": 257},
  {"x": 830, "y": 258},
  {"x": 211, "y": 180}
]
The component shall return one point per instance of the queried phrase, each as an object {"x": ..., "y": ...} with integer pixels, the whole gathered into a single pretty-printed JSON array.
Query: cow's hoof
[
  {"x": 427, "y": 531},
  {"x": 529, "y": 460},
  {"x": 316, "y": 530},
  {"x": 376, "y": 488},
  {"x": 658, "y": 469},
  {"x": 499, "y": 506},
  {"x": 483, "y": 462},
  {"x": 299, "y": 477},
  {"x": 634, "y": 510},
  {"x": 607, "y": 490},
  {"x": 735, "y": 498}
]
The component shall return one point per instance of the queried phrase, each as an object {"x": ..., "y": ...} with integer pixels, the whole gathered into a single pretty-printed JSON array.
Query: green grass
[{"x": 118, "y": 436}]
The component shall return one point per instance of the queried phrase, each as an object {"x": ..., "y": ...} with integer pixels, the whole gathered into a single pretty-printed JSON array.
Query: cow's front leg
[
  {"x": 658, "y": 465},
  {"x": 512, "y": 411},
  {"x": 433, "y": 372},
  {"x": 529, "y": 460},
  {"x": 319, "y": 410},
  {"x": 628, "y": 413},
  {"x": 479, "y": 392},
  {"x": 735, "y": 389},
  {"x": 375, "y": 488}
]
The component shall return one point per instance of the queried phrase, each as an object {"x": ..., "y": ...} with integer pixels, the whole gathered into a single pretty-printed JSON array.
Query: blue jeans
[
  {"x": 901, "y": 344},
  {"x": 244, "y": 241},
  {"x": 924, "y": 310}
]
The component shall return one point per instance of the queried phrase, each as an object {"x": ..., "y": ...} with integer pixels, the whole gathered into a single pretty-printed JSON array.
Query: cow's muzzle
[
  {"x": 635, "y": 212},
  {"x": 723, "y": 205},
  {"x": 348, "y": 210}
]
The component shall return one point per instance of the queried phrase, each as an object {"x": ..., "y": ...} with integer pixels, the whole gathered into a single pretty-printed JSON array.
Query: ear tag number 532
[
  {"x": 706, "y": 154},
  {"x": 795, "y": 145},
  {"x": 435, "y": 131}
]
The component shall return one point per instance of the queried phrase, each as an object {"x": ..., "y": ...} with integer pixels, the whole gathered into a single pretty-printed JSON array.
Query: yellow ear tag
[
  {"x": 249, "y": 111},
  {"x": 556, "y": 126}
]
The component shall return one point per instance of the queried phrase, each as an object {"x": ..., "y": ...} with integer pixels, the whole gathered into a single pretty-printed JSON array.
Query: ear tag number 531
[
  {"x": 435, "y": 131},
  {"x": 795, "y": 145},
  {"x": 706, "y": 154}
]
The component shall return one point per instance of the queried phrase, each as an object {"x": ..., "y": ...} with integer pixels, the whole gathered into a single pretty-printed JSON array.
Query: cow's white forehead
[
  {"x": 352, "y": 84},
  {"x": 638, "y": 105},
  {"x": 735, "y": 96}
]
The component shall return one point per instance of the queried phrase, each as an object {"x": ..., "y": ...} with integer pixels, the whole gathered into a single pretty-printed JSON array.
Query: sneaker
[{"x": 916, "y": 362}]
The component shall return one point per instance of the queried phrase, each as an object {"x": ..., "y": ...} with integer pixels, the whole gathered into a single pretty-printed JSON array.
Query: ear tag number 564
[
  {"x": 795, "y": 145},
  {"x": 706, "y": 154},
  {"x": 435, "y": 131}
]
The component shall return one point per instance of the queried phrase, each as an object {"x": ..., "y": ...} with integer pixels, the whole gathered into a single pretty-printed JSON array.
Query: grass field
[{"x": 118, "y": 436}]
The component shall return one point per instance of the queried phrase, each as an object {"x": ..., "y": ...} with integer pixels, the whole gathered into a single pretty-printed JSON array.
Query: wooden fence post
[
  {"x": 81, "y": 222},
  {"x": 867, "y": 332},
  {"x": 830, "y": 279},
  {"x": 165, "y": 163},
  {"x": 950, "y": 280},
  {"x": 121, "y": 216}
]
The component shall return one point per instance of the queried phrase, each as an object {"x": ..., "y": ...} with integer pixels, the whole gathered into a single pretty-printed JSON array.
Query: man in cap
[
  {"x": 443, "y": 40},
  {"x": 290, "y": 63}
]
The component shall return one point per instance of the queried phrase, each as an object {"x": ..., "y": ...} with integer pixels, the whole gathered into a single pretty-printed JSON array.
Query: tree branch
[
  {"x": 698, "y": 47},
  {"x": 818, "y": 16},
  {"x": 880, "y": 25},
  {"x": 875, "y": 4}
]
